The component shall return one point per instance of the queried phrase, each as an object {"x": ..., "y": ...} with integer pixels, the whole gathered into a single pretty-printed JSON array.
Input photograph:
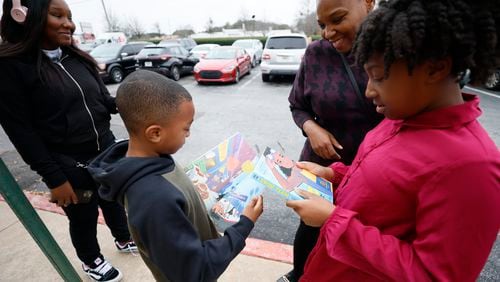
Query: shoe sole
[{"x": 116, "y": 279}]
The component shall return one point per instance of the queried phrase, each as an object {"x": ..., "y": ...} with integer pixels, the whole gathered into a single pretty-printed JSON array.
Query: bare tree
[
  {"x": 306, "y": 20},
  {"x": 134, "y": 28},
  {"x": 210, "y": 25},
  {"x": 184, "y": 31},
  {"x": 112, "y": 21},
  {"x": 157, "y": 28},
  {"x": 243, "y": 14}
]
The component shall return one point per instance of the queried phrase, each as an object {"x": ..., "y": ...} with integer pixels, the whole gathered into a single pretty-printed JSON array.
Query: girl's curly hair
[{"x": 420, "y": 30}]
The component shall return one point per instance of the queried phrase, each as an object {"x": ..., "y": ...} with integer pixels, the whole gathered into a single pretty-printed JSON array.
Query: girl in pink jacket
[{"x": 421, "y": 200}]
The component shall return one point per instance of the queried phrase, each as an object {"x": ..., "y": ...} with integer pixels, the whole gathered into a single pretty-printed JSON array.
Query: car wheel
[
  {"x": 175, "y": 73},
  {"x": 237, "y": 76},
  {"x": 266, "y": 77},
  {"x": 493, "y": 81},
  {"x": 254, "y": 62},
  {"x": 116, "y": 75}
]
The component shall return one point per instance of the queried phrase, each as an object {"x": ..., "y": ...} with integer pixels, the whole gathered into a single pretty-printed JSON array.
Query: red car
[{"x": 223, "y": 64}]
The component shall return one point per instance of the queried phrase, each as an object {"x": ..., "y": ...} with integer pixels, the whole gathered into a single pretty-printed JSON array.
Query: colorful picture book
[
  {"x": 279, "y": 173},
  {"x": 229, "y": 175}
]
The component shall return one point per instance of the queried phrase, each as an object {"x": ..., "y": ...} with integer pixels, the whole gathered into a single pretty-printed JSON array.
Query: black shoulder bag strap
[{"x": 353, "y": 80}]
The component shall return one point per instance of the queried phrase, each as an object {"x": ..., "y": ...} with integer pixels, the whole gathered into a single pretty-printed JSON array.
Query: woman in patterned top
[{"x": 327, "y": 104}]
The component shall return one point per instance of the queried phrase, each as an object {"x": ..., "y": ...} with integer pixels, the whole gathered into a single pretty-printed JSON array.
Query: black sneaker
[
  {"x": 128, "y": 246},
  {"x": 289, "y": 277},
  {"x": 102, "y": 271}
]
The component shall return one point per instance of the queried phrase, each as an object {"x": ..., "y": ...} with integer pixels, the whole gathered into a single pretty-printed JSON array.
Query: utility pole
[{"x": 106, "y": 13}]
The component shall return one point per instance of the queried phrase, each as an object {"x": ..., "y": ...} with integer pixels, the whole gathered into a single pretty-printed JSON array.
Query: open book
[{"x": 229, "y": 175}]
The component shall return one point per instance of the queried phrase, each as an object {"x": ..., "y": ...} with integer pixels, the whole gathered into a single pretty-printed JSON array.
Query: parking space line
[
  {"x": 482, "y": 92},
  {"x": 249, "y": 81}
]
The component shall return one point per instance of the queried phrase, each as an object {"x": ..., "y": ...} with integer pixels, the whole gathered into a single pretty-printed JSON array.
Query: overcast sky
[{"x": 175, "y": 14}]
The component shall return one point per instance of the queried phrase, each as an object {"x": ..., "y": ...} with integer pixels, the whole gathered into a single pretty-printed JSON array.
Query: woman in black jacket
[{"x": 56, "y": 111}]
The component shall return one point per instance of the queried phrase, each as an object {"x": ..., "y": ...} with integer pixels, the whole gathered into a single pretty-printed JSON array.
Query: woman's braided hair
[{"x": 467, "y": 31}]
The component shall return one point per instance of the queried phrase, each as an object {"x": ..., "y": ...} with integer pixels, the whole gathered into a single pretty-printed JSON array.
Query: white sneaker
[{"x": 102, "y": 271}]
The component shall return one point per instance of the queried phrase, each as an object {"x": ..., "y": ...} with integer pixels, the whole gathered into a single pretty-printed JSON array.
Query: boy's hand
[
  {"x": 254, "y": 209},
  {"x": 63, "y": 195},
  {"x": 316, "y": 169},
  {"x": 313, "y": 210}
]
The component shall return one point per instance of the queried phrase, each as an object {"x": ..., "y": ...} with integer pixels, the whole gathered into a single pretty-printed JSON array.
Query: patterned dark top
[{"x": 323, "y": 92}]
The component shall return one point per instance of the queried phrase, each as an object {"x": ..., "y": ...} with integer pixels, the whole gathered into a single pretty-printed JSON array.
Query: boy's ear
[
  {"x": 437, "y": 70},
  {"x": 153, "y": 133}
]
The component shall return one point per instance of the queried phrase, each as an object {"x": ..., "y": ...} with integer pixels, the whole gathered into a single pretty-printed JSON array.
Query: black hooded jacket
[
  {"x": 167, "y": 218},
  {"x": 68, "y": 115}
]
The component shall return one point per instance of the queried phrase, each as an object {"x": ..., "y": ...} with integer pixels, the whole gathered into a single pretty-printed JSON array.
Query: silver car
[
  {"x": 253, "y": 48},
  {"x": 282, "y": 55}
]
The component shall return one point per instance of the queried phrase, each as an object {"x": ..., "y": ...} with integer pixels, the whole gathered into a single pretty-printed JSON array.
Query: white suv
[{"x": 282, "y": 55}]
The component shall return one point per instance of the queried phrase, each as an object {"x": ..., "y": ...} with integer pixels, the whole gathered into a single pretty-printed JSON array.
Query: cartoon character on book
[
  {"x": 281, "y": 167},
  {"x": 225, "y": 210},
  {"x": 208, "y": 196}
]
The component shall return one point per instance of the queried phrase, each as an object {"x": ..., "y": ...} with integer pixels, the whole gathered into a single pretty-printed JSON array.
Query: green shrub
[{"x": 315, "y": 37}]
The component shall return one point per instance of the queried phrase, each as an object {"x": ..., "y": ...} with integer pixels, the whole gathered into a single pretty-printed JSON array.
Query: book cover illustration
[
  {"x": 219, "y": 176},
  {"x": 279, "y": 173},
  {"x": 229, "y": 175}
]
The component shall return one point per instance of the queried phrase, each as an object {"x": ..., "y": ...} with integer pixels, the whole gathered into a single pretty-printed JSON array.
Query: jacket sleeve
[
  {"x": 108, "y": 99},
  {"x": 174, "y": 246},
  {"x": 339, "y": 171},
  {"x": 299, "y": 102},
  {"x": 16, "y": 117},
  {"x": 457, "y": 220}
]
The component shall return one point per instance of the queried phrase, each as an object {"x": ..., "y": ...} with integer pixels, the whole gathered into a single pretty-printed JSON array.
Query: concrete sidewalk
[{"x": 22, "y": 260}]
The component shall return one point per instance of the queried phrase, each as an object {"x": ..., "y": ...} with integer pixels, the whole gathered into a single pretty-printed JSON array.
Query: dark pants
[
  {"x": 305, "y": 240},
  {"x": 83, "y": 226}
]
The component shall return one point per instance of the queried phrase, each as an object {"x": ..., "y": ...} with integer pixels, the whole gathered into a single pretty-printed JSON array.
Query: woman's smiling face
[{"x": 341, "y": 19}]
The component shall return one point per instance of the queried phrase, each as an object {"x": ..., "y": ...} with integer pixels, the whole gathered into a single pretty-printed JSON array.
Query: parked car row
[
  {"x": 116, "y": 60},
  {"x": 169, "y": 59},
  {"x": 281, "y": 55},
  {"x": 223, "y": 64}
]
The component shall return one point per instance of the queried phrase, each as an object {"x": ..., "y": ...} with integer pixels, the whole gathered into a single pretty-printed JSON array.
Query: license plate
[
  {"x": 284, "y": 58},
  {"x": 148, "y": 64}
]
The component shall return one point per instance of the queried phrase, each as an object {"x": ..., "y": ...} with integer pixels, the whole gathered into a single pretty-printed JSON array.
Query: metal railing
[{"x": 23, "y": 209}]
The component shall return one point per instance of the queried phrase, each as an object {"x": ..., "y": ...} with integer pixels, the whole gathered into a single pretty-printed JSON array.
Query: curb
[{"x": 254, "y": 247}]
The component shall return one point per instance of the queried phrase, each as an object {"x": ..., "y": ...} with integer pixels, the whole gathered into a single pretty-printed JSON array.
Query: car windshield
[
  {"x": 106, "y": 51},
  {"x": 286, "y": 43},
  {"x": 151, "y": 51},
  {"x": 243, "y": 44},
  {"x": 221, "y": 53}
]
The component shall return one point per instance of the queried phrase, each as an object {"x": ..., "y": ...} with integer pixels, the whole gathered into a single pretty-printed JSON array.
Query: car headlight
[
  {"x": 229, "y": 68},
  {"x": 102, "y": 66}
]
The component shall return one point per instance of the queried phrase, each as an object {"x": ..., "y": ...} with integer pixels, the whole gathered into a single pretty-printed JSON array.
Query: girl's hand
[
  {"x": 313, "y": 210},
  {"x": 254, "y": 209},
  {"x": 322, "y": 142},
  {"x": 63, "y": 195},
  {"x": 318, "y": 170}
]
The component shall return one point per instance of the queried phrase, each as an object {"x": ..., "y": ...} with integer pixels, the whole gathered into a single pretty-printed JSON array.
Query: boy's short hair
[
  {"x": 419, "y": 30},
  {"x": 145, "y": 98}
]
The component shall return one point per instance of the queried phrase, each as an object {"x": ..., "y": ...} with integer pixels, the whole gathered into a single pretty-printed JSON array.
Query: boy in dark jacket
[{"x": 167, "y": 218}]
